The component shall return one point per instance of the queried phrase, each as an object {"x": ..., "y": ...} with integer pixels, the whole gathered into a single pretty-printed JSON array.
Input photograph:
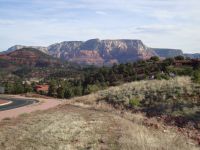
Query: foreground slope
[
  {"x": 91, "y": 122},
  {"x": 72, "y": 127}
]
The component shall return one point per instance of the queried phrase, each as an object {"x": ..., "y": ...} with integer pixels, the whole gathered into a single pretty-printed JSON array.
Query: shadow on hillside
[{"x": 188, "y": 120}]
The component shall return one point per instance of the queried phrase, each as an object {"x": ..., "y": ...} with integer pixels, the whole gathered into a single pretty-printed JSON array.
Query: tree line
[{"x": 93, "y": 79}]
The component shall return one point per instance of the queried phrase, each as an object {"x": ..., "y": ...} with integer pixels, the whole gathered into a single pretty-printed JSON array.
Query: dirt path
[
  {"x": 73, "y": 127},
  {"x": 42, "y": 105}
]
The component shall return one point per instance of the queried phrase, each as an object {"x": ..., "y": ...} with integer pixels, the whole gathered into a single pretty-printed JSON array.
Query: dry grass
[
  {"x": 138, "y": 137},
  {"x": 56, "y": 130},
  {"x": 70, "y": 128}
]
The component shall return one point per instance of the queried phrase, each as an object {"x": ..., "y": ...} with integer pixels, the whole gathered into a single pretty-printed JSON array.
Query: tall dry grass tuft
[{"x": 138, "y": 137}]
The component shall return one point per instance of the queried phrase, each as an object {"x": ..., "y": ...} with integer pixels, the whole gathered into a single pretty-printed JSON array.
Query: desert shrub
[
  {"x": 134, "y": 102},
  {"x": 159, "y": 96},
  {"x": 161, "y": 76},
  {"x": 42, "y": 92},
  {"x": 78, "y": 90},
  {"x": 52, "y": 88},
  {"x": 196, "y": 76},
  {"x": 181, "y": 71},
  {"x": 179, "y": 57},
  {"x": 68, "y": 93},
  {"x": 91, "y": 89},
  {"x": 61, "y": 92},
  {"x": 155, "y": 58}
]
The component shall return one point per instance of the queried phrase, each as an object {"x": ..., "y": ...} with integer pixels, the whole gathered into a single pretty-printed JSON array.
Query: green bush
[
  {"x": 196, "y": 76},
  {"x": 61, "y": 92},
  {"x": 69, "y": 93},
  {"x": 161, "y": 76},
  {"x": 134, "y": 102},
  {"x": 91, "y": 89},
  {"x": 179, "y": 57},
  {"x": 155, "y": 58}
]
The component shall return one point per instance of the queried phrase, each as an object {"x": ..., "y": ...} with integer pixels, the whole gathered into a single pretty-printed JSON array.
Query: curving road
[
  {"x": 16, "y": 102},
  {"x": 23, "y": 105}
]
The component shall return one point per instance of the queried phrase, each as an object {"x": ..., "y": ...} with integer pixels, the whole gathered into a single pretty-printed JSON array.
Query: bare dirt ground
[
  {"x": 42, "y": 105},
  {"x": 86, "y": 126}
]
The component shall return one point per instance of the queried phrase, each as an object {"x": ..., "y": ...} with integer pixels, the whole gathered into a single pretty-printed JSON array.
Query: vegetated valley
[{"x": 147, "y": 104}]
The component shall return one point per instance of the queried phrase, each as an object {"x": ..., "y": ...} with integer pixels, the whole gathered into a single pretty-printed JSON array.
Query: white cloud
[
  {"x": 101, "y": 12},
  {"x": 155, "y": 29}
]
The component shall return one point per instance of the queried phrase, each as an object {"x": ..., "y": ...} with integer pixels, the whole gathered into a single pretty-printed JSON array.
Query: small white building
[{"x": 2, "y": 90}]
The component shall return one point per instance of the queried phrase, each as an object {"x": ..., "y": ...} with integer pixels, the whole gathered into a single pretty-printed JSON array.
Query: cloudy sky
[{"x": 158, "y": 23}]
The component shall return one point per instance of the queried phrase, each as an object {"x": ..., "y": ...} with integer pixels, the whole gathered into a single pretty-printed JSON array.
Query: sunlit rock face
[{"x": 101, "y": 52}]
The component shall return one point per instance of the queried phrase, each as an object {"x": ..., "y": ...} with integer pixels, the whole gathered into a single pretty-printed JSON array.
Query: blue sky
[{"x": 158, "y": 23}]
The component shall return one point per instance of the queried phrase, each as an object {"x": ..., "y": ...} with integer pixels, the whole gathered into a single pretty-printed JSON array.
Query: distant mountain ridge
[
  {"x": 17, "y": 47},
  {"x": 193, "y": 56},
  {"x": 27, "y": 57},
  {"x": 104, "y": 52},
  {"x": 166, "y": 53}
]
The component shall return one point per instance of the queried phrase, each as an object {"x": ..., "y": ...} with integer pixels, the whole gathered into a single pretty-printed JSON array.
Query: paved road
[
  {"x": 16, "y": 102},
  {"x": 23, "y": 105}
]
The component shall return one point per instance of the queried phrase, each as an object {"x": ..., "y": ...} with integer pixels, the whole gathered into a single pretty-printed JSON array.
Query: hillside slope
[
  {"x": 73, "y": 127},
  {"x": 17, "y": 47},
  {"x": 91, "y": 121},
  {"x": 27, "y": 57},
  {"x": 193, "y": 56}
]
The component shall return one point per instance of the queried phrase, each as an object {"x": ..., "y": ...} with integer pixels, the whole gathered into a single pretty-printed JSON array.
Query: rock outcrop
[{"x": 100, "y": 52}]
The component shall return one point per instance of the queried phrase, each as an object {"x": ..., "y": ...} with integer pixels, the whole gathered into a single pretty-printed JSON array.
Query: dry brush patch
[
  {"x": 73, "y": 128},
  {"x": 164, "y": 96},
  {"x": 139, "y": 137},
  {"x": 70, "y": 127}
]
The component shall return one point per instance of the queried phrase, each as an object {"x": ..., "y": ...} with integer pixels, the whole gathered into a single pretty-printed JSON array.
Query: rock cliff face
[
  {"x": 99, "y": 52},
  {"x": 65, "y": 50}
]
